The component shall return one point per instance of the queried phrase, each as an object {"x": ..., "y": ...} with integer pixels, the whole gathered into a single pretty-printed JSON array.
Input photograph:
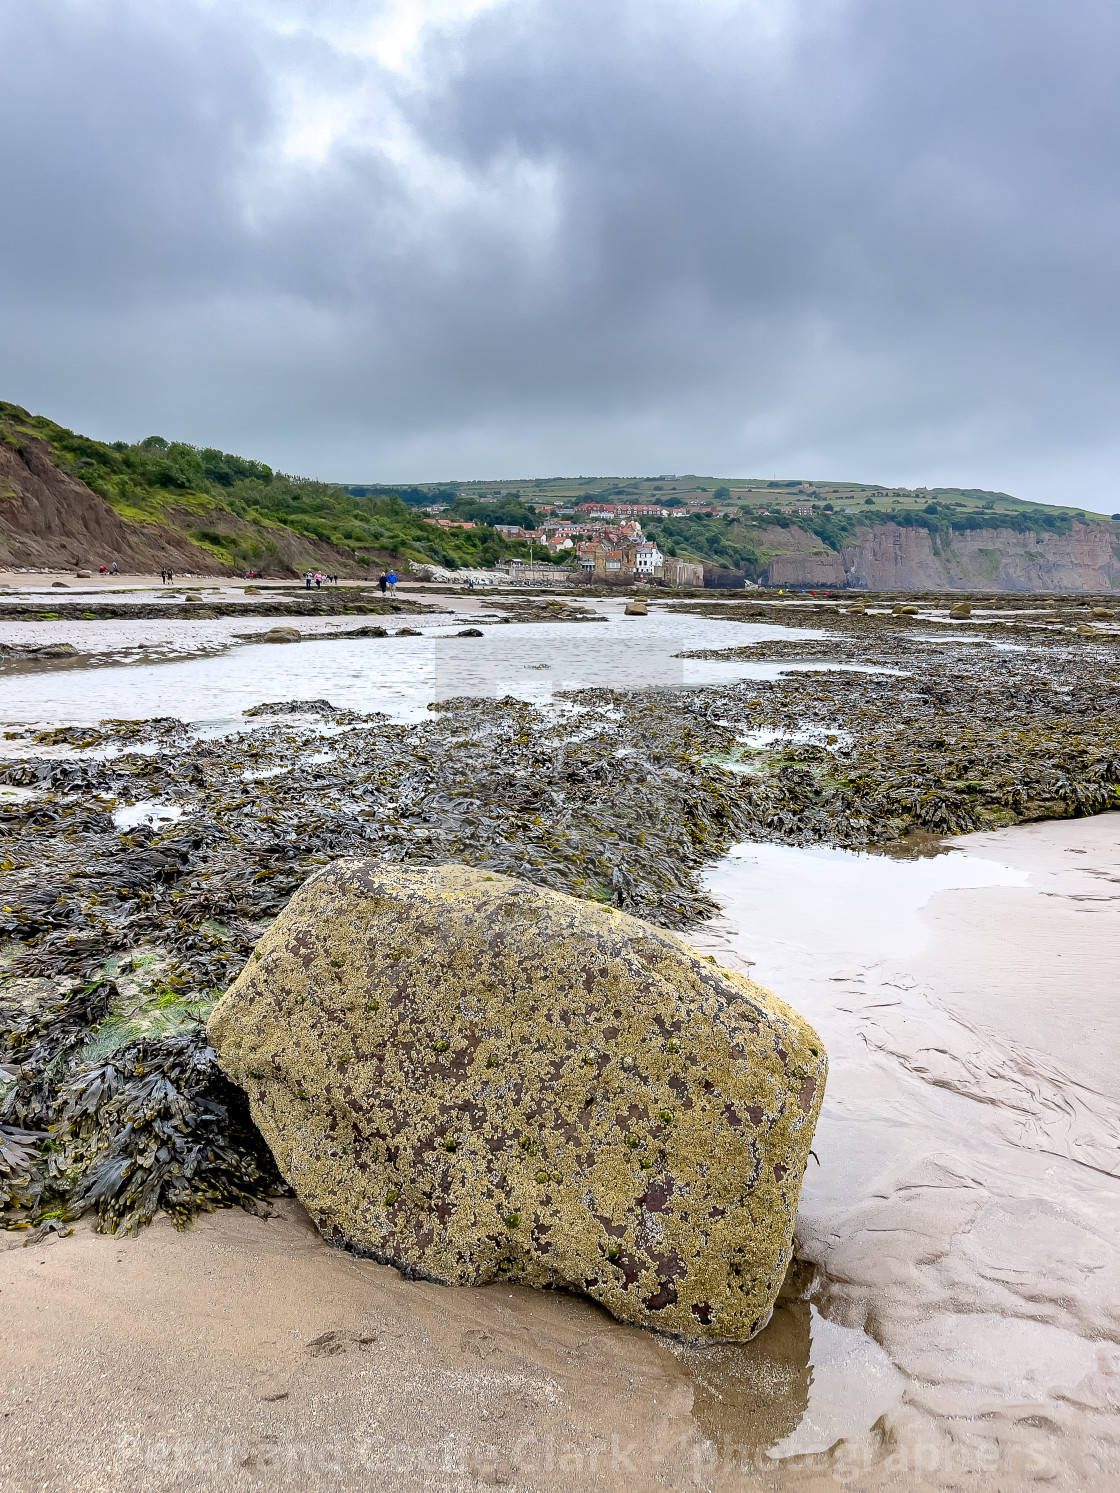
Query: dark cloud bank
[{"x": 857, "y": 238}]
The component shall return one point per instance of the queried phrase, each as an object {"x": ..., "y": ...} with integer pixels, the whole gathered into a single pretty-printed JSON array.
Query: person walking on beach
[
  {"x": 318, "y": 580},
  {"x": 307, "y": 580},
  {"x": 392, "y": 583},
  {"x": 383, "y": 582}
]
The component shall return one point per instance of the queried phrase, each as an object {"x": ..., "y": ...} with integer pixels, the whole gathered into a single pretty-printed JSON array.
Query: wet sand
[
  {"x": 966, "y": 1211},
  {"x": 962, "y": 1227}
]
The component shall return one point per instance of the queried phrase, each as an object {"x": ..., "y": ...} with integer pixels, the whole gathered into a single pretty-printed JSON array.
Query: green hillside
[
  {"x": 742, "y": 537},
  {"x": 198, "y": 491},
  {"x": 236, "y": 509}
]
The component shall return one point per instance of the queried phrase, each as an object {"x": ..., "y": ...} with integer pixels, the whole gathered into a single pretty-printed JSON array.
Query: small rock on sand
[{"x": 282, "y": 635}]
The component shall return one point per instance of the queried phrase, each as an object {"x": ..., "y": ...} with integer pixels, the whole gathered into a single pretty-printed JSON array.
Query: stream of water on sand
[{"x": 963, "y": 1220}]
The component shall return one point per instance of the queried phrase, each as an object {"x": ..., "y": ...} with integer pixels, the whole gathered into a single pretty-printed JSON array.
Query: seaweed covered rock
[{"x": 474, "y": 1078}]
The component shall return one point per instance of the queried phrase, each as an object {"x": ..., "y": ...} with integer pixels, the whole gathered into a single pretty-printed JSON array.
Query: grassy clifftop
[
  {"x": 756, "y": 519},
  {"x": 243, "y": 513}
]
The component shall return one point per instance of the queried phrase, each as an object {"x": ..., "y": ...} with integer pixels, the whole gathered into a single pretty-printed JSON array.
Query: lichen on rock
[{"x": 475, "y": 1079}]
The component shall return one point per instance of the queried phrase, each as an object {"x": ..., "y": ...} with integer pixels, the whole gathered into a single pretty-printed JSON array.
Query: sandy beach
[{"x": 958, "y": 1245}]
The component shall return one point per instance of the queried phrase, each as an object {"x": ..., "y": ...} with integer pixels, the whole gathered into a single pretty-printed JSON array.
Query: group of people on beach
[
  {"x": 387, "y": 580},
  {"x": 166, "y": 577}
]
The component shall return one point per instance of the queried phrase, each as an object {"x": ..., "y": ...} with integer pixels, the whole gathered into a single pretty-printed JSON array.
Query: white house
[{"x": 647, "y": 559}]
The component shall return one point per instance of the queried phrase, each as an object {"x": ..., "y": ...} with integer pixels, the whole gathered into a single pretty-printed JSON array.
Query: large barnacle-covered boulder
[{"x": 476, "y": 1079}]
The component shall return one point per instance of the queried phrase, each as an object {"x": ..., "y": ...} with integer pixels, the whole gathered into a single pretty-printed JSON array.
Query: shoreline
[
  {"x": 322, "y": 1370},
  {"x": 145, "y": 857}
]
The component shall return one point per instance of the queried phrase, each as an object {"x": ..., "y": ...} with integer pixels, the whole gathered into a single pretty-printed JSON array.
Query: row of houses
[
  {"x": 622, "y": 510},
  {"x": 640, "y": 561},
  {"x": 616, "y": 551}
]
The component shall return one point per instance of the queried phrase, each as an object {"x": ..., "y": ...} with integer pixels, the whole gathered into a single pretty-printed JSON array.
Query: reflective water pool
[{"x": 400, "y": 676}]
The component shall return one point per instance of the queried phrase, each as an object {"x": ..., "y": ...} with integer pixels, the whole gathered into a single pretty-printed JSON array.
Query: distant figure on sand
[
  {"x": 318, "y": 579},
  {"x": 307, "y": 580},
  {"x": 383, "y": 582},
  {"x": 392, "y": 583}
]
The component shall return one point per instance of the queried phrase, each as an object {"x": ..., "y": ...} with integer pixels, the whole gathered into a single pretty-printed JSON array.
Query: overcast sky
[{"x": 873, "y": 239}]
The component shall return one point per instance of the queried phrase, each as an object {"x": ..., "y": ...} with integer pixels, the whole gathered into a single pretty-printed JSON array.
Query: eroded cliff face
[
  {"x": 819, "y": 569},
  {"x": 49, "y": 518},
  {"x": 890, "y": 557}
]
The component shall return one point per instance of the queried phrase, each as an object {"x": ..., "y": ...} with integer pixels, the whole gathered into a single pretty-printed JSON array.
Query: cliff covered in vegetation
[{"x": 68, "y": 501}]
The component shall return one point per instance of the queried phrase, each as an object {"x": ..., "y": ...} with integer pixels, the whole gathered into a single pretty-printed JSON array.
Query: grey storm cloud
[{"x": 808, "y": 237}]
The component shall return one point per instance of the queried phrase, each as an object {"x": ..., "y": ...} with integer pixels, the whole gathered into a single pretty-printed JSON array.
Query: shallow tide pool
[{"x": 401, "y": 676}]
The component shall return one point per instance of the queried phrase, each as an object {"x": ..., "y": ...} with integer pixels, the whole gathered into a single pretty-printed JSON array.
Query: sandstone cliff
[{"x": 892, "y": 557}]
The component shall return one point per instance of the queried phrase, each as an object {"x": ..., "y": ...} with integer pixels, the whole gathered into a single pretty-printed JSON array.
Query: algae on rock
[{"x": 474, "y": 1078}]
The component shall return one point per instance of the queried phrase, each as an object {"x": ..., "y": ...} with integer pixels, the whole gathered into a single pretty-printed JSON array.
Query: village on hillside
[{"x": 604, "y": 539}]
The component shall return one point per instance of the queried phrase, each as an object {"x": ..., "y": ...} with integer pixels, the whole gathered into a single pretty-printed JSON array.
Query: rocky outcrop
[
  {"x": 890, "y": 557},
  {"x": 476, "y": 1079},
  {"x": 820, "y": 569},
  {"x": 1086, "y": 559}
]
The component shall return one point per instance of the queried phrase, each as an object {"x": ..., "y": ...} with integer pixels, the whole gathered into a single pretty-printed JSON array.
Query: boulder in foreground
[{"x": 475, "y": 1079}]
